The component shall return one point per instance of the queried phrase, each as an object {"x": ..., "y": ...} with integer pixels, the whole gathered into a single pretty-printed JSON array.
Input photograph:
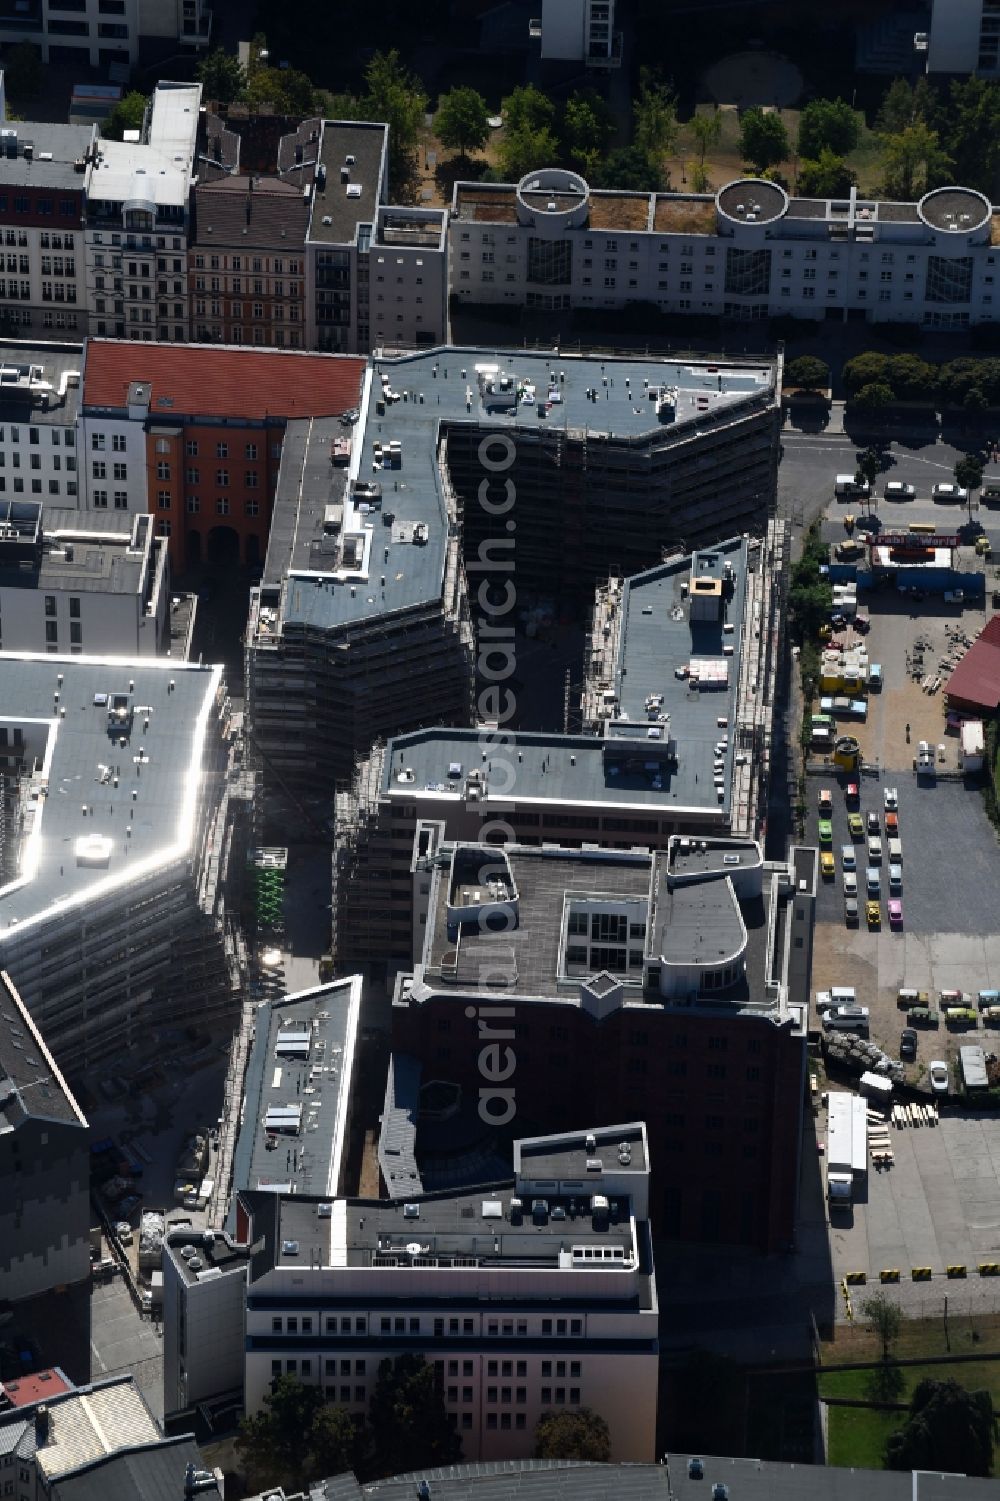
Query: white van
[
  {"x": 895, "y": 852},
  {"x": 848, "y": 487},
  {"x": 837, "y": 995}
]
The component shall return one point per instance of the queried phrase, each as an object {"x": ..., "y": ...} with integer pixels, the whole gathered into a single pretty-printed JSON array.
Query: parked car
[
  {"x": 851, "y": 911},
  {"x": 825, "y": 831},
  {"x": 875, "y": 850},
  {"x": 898, "y": 489},
  {"x": 871, "y": 822},
  {"x": 924, "y": 1016},
  {"x": 852, "y": 794},
  {"x": 937, "y": 1072},
  {"x": 895, "y": 878},
  {"x": 892, "y": 825},
  {"x": 825, "y": 801},
  {"x": 891, "y": 799},
  {"x": 827, "y": 865},
  {"x": 873, "y": 881},
  {"x": 850, "y": 883},
  {"x": 908, "y": 1043},
  {"x": 949, "y": 492},
  {"x": 873, "y": 914},
  {"x": 847, "y": 857},
  {"x": 847, "y": 1019},
  {"x": 895, "y": 910},
  {"x": 855, "y": 826}
]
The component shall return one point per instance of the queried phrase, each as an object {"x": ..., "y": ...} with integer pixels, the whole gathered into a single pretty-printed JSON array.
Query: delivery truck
[{"x": 846, "y": 1148}]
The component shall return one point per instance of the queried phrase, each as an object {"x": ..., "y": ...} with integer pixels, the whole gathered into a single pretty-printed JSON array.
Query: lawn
[{"x": 857, "y": 1435}]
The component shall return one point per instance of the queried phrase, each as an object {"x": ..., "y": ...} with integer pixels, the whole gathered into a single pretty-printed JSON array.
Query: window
[
  {"x": 118, "y": 443},
  {"x": 191, "y": 448},
  {"x": 163, "y": 500},
  {"x": 193, "y": 505},
  {"x": 51, "y": 630},
  {"x": 222, "y": 450},
  {"x": 251, "y": 508},
  {"x": 222, "y": 506},
  {"x": 121, "y": 502},
  {"x": 100, "y": 469},
  {"x": 101, "y": 499},
  {"x": 121, "y": 471},
  {"x": 251, "y": 451},
  {"x": 222, "y": 477}
]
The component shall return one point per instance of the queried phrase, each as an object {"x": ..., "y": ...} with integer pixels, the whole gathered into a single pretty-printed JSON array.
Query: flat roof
[
  {"x": 368, "y": 144},
  {"x": 302, "y": 1056},
  {"x": 37, "y": 1388},
  {"x": 68, "y": 144},
  {"x": 958, "y": 210},
  {"x": 524, "y": 960},
  {"x": 36, "y": 385},
  {"x": 31, "y": 1088},
  {"x": 148, "y": 1472},
  {"x": 100, "y": 564},
  {"x": 433, "y": 391},
  {"x": 129, "y": 830},
  {"x": 567, "y": 1156}
]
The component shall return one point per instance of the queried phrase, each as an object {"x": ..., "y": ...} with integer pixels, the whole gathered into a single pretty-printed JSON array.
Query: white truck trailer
[{"x": 846, "y": 1147}]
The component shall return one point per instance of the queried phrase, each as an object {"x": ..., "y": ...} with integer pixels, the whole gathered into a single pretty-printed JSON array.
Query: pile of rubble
[{"x": 859, "y": 1055}]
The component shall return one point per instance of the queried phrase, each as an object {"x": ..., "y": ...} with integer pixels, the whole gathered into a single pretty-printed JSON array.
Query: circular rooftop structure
[
  {"x": 955, "y": 210},
  {"x": 552, "y": 199},
  {"x": 751, "y": 200}
]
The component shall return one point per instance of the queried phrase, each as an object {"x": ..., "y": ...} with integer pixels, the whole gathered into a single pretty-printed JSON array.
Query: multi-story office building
[
  {"x": 751, "y": 252},
  {"x": 194, "y": 434},
  {"x": 45, "y": 1167},
  {"x": 116, "y": 822},
  {"x": 580, "y": 31},
  {"x": 43, "y": 192},
  {"x": 964, "y": 37},
  {"x": 97, "y": 33},
  {"x": 247, "y": 263},
  {"x": 659, "y": 755},
  {"x": 138, "y": 219},
  {"x": 39, "y": 406},
  {"x": 531, "y": 1292},
  {"x": 675, "y": 983}
]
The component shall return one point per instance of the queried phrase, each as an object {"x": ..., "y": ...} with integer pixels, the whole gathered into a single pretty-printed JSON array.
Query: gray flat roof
[
  {"x": 302, "y": 1056},
  {"x": 525, "y": 959},
  {"x": 548, "y": 1157},
  {"x": 658, "y": 636},
  {"x": 368, "y": 145},
  {"x": 147, "y": 820},
  {"x": 22, "y": 402},
  {"x": 531, "y": 1480},
  {"x": 436, "y": 390},
  {"x": 31, "y": 1086},
  {"x": 699, "y": 924},
  {"x": 98, "y": 565},
  {"x": 67, "y": 143}
]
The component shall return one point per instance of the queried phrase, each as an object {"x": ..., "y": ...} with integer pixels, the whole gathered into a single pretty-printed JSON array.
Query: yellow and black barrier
[
  {"x": 956, "y": 1271},
  {"x": 921, "y": 1273},
  {"x": 889, "y": 1274}
]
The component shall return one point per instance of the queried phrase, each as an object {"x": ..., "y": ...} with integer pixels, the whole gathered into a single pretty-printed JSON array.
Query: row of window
[
  {"x": 221, "y": 449},
  {"x": 411, "y": 1324},
  {"x": 278, "y": 265},
  {"x": 35, "y": 461},
  {"x": 35, "y": 436},
  {"x": 257, "y": 288},
  {"x": 36, "y": 486}
]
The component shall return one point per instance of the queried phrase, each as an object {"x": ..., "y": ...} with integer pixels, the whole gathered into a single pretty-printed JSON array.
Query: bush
[
  {"x": 808, "y": 373},
  {"x": 864, "y": 370},
  {"x": 874, "y": 397}
]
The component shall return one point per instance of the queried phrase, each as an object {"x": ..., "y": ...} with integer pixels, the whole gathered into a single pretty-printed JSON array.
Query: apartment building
[
  {"x": 43, "y": 185},
  {"x": 529, "y": 1292},
  {"x": 138, "y": 222},
  {"x": 116, "y": 822},
  {"x": 92, "y": 1442},
  {"x": 659, "y": 756},
  {"x": 964, "y": 37},
  {"x": 39, "y": 407},
  {"x": 45, "y": 1164},
  {"x": 194, "y": 434},
  {"x": 751, "y": 252},
  {"x": 674, "y": 982},
  {"x": 98, "y": 33},
  {"x": 75, "y": 580},
  {"x": 247, "y": 263},
  {"x": 579, "y": 31}
]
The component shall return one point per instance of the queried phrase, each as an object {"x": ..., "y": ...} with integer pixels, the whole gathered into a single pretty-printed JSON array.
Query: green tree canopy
[
  {"x": 395, "y": 95},
  {"x": 949, "y": 1430},
  {"x": 706, "y": 129},
  {"x": 828, "y": 176},
  {"x": 527, "y": 108},
  {"x": 972, "y": 133},
  {"x": 410, "y": 1428},
  {"x": 828, "y": 124},
  {"x": 905, "y": 104},
  {"x": 273, "y": 1443},
  {"x": 654, "y": 111},
  {"x": 914, "y": 161},
  {"x": 969, "y": 471},
  {"x": 863, "y": 369},
  {"x": 524, "y": 150},
  {"x": 910, "y": 377},
  {"x": 128, "y": 114},
  {"x": 588, "y": 126},
  {"x": 869, "y": 468},
  {"x": 578, "y": 1434},
  {"x": 221, "y": 76},
  {"x": 810, "y": 594},
  {"x": 631, "y": 170},
  {"x": 874, "y": 396},
  {"x": 336, "y": 1442},
  {"x": 808, "y": 372},
  {"x": 461, "y": 121},
  {"x": 763, "y": 138}
]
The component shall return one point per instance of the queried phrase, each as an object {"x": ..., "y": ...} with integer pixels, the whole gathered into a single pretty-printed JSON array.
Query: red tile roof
[
  {"x": 199, "y": 380},
  {"x": 976, "y": 679}
]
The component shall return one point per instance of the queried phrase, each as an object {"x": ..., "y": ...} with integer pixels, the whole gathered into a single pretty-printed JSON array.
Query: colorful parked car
[
  {"x": 827, "y": 865},
  {"x": 825, "y": 831},
  {"x": 825, "y": 801},
  {"x": 873, "y": 912},
  {"x": 895, "y": 910},
  {"x": 855, "y": 827}
]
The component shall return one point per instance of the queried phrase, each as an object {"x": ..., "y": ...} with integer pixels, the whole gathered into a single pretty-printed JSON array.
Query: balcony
[{"x": 600, "y": 57}]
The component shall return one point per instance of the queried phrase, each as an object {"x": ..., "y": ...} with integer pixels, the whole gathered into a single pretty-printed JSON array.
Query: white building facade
[
  {"x": 97, "y": 33},
  {"x": 964, "y": 37},
  {"x": 750, "y": 253}
]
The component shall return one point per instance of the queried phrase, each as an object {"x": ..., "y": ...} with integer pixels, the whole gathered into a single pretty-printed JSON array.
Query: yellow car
[
  {"x": 873, "y": 912},
  {"x": 827, "y": 866}
]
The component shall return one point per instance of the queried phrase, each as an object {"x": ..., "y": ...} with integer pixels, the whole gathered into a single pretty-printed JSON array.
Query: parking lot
[{"x": 937, "y": 1206}]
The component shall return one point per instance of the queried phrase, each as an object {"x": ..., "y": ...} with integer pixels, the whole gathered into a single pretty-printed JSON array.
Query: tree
[
  {"x": 580, "y": 1434},
  {"x": 828, "y": 176},
  {"x": 763, "y": 138},
  {"x": 273, "y": 1443},
  {"x": 969, "y": 474},
  {"x": 654, "y": 111},
  {"x": 128, "y": 114},
  {"x": 697, "y": 175},
  {"x": 336, "y": 1442},
  {"x": 588, "y": 126},
  {"x": 911, "y": 378},
  {"x": 631, "y": 170},
  {"x": 394, "y": 94},
  {"x": 914, "y": 161},
  {"x": 863, "y": 369},
  {"x": 527, "y": 108},
  {"x": 904, "y": 104},
  {"x": 829, "y": 124},
  {"x": 461, "y": 120},
  {"x": 869, "y": 466},
  {"x": 949, "y": 1430},
  {"x": 808, "y": 373},
  {"x": 810, "y": 594},
  {"x": 882, "y": 1312},
  {"x": 973, "y": 133},
  {"x": 873, "y": 397},
  {"x": 706, "y": 130},
  {"x": 22, "y": 71},
  {"x": 221, "y": 76},
  {"x": 409, "y": 1425},
  {"x": 525, "y": 150}
]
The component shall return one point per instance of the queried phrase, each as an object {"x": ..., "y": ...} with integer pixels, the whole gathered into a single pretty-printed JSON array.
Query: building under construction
[{"x": 678, "y": 706}]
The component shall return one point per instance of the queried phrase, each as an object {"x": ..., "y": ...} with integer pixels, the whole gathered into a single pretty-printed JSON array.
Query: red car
[{"x": 853, "y": 795}]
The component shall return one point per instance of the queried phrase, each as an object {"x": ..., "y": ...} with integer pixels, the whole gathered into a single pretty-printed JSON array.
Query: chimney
[{"x": 43, "y": 1425}]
